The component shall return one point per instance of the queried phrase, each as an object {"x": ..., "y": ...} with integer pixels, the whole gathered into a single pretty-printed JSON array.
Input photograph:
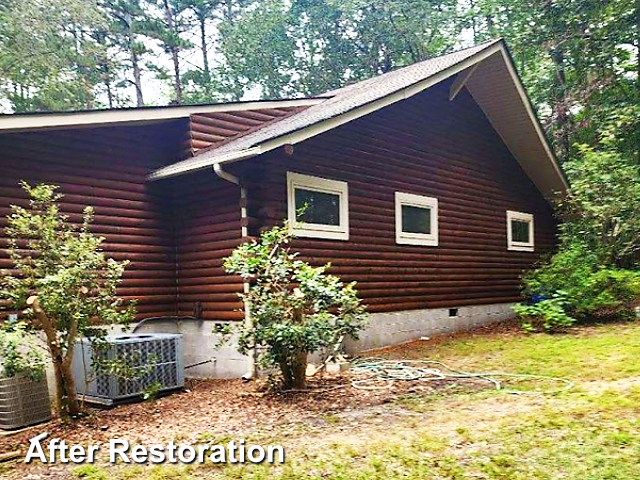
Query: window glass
[
  {"x": 317, "y": 207},
  {"x": 520, "y": 231},
  {"x": 416, "y": 219}
]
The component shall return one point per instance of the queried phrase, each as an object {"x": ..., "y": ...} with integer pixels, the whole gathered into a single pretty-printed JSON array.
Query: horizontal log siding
[
  {"x": 429, "y": 146},
  {"x": 209, "y": 129},
  {"x": 105, "y": 168},
  {"x": 208, "y": 228}
]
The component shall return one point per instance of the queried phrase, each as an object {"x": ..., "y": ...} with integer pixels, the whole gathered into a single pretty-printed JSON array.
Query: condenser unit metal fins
[{"x": 144, "y": 360}]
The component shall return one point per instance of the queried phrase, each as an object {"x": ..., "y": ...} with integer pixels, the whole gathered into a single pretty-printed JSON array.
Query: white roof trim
[
  {"x": 532, "y": 115},
  {"x": 174, "y": 170},
  {"x": 95, "y": 118}
]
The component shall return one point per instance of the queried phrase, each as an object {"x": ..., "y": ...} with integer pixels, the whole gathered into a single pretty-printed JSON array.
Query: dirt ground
[{"x": 217, "y": 409}]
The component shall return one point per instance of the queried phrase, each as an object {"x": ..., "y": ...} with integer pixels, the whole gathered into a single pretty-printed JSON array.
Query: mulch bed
[
  {"x": 221, "y": 408},
  {"x": 231, "y": 408}
]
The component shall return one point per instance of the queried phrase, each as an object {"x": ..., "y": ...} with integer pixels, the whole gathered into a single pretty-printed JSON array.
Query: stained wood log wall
[
  {"x": 209, "y": 129},
  {"x": 176, "y": 232},
  {"x": 206, "y": 210},
  {"x": 106, "y": 168},
  {"x": 429, "y": 146}
]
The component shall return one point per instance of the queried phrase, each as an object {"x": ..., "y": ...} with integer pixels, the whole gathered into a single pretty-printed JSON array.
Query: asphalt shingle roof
[{"x": 339, "y": 102}]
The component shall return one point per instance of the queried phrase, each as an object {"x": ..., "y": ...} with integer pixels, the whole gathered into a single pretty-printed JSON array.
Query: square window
[
  {"x": 318, "y": 207},
  {"x": 519, "y": 231},
  {"x": 416, "y": 219}
]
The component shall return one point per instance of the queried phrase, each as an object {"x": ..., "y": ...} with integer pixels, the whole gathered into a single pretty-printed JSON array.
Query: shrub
[
  {"x": 588, "y": 290},
  {"x": 20, "y": 356},
  {"x": 609, "y": 294},
  {"x": 62, "y": 281},
  {"x": 548, "y": 315},
  {"x": 296, "y": 309}
]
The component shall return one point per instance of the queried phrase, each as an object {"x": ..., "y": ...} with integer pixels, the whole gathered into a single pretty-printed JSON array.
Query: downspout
[{"x": 248, "y": 322}]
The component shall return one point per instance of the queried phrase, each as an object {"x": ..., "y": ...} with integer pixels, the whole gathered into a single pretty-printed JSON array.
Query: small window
[
  {"x": 318, "y": 207},
  {"x": 519, "y": 231},
  {"x": 416, "y": 220}
]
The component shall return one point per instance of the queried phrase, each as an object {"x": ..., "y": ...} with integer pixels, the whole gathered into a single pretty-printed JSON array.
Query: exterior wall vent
[{"x": 153, "y": 359}]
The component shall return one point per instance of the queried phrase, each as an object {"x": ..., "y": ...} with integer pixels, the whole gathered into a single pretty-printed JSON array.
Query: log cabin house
[{"x": 430, "y": 186}]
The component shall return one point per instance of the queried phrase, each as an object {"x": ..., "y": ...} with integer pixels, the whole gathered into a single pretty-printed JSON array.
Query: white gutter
[
  {"x": 248, "y": 321},
  {"x": 178, "y": 169}
]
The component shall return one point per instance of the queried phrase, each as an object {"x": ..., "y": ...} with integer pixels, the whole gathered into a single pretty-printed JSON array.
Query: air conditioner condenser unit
[{"x": 140, "y": 362}]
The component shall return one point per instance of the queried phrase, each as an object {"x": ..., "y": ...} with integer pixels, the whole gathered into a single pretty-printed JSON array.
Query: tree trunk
[
  {"x": 638, "y": 63},
  {"x": 137, "y": 77},
  {"x": 203, "y": 47},
  {"x": 299, "y": 371},
  {"x": 294, "y": 372},
  {"x": 177, "y": 82},
  {"x": 560, "y": 109},
  {"x": 294, "y": 367},
  {"x": 67, "y": 403}
]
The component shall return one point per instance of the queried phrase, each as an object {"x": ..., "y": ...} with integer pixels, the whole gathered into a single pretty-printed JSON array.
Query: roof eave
[{"x": 134, "y": 116}]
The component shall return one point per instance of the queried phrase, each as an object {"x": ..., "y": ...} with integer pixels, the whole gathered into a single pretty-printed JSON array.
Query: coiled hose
[{"x": 373, "y": 371}]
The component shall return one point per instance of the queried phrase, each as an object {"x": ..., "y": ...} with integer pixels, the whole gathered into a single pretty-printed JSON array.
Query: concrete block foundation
[
  {"x": 386, "y": 329},
  {"x": 383, "y": 330}
]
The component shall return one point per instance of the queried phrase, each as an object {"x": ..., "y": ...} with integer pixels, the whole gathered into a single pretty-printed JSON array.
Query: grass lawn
[{"x": 589, "y": 432}]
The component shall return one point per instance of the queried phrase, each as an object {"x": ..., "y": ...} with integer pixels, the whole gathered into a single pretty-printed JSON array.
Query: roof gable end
[{"x": 486, "y": 71}]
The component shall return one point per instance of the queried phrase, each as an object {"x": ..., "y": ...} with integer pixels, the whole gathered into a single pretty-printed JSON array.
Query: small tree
[
  {"x": 296, "y": 309},
  {"x": 62, "y": 280}
]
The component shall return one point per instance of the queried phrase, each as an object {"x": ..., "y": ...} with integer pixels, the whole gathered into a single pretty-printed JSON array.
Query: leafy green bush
[
  {"x": 296, "y": 309},
  {"x": 609, "y": 294},
  {"x": 589, "y": 291},
  {"x": 20, "y": 355},
  {"x": 548, "y": 315}
]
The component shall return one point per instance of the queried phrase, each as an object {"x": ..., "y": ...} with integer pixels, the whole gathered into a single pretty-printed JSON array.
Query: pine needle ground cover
[{"x": 589, "y": 432}]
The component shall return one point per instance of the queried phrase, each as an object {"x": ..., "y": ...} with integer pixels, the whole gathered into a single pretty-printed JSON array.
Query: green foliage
[
  {"x": 151, "y": 391},
  {"x": 588, "y": 289},
  {"x": 47, "y": 62},
  {"x": 20, "y": 354},
  {"x": 296, "y": 309},
  {"x": 309, "y": 47},
  {"x": 596, "y": 266},
  {"x": 547, "y": 315},
  {"x": 62, "y": 281},
  {"x": 602, "y": 210}
]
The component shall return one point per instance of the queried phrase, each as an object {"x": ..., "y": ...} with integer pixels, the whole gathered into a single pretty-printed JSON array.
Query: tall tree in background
[
  {"x": 166, "y": 26},
  {"x": 307, "y": 47},
  {"x": 48, "y": 58},
  {"x": 127, "y": 19},
  {"x": 203, "y": 12}
]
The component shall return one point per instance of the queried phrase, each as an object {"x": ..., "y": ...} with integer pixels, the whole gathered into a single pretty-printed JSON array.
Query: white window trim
[
  {"x": 317, "y": 184},
  {"x": 406, "y": 238},
  {"x": 520, "y": 246}
]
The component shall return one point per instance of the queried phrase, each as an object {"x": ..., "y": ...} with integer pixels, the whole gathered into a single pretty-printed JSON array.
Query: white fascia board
[
  {"x": 31, "y": 122},
  {"x": 534, "y": 119}
]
